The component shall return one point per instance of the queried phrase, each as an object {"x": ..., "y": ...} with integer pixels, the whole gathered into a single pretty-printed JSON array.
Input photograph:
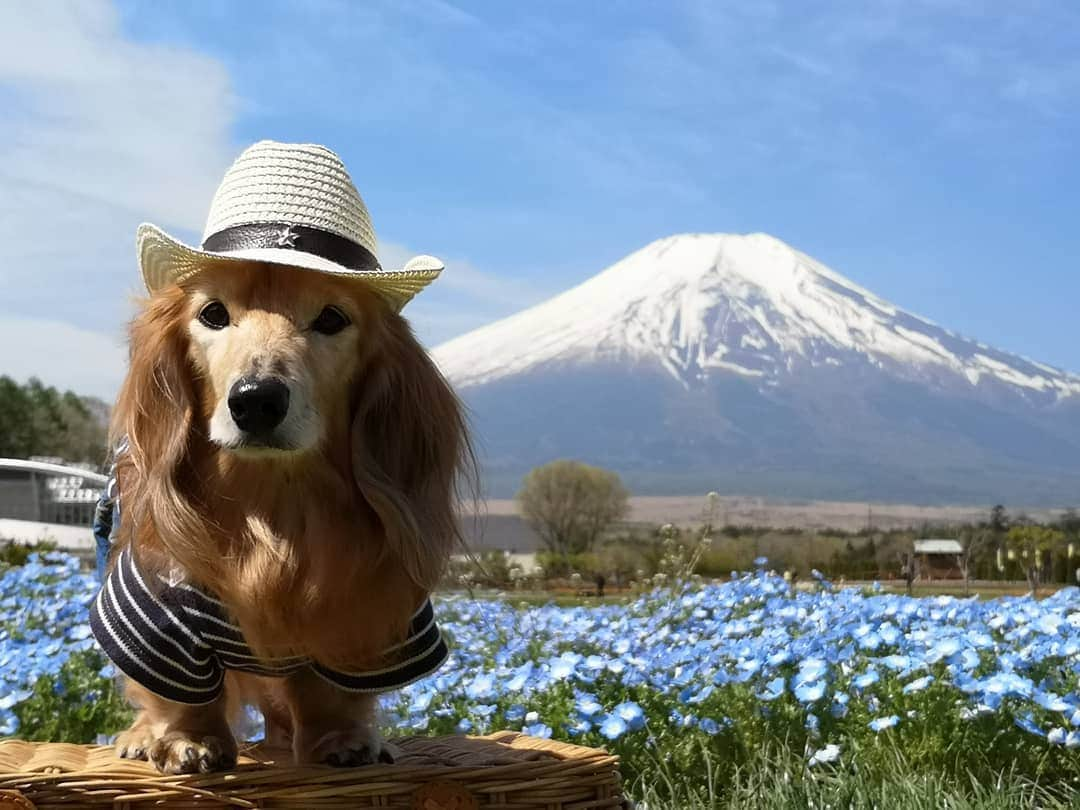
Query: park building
[
  {"x": 46, "y": 499},
  {"x": 938, "y": 558}
]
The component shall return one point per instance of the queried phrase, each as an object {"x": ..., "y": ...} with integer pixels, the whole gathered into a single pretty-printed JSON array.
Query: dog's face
[
  {"x": 275, "y": 351},
  {"x": 246, "y": 368}
]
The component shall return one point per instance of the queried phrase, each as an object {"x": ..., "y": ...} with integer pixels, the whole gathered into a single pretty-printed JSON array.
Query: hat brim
[{"x": 165, "y": 261}]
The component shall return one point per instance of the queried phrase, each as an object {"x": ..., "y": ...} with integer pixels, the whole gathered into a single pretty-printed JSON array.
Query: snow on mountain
[{"x": 748, "y": 305}]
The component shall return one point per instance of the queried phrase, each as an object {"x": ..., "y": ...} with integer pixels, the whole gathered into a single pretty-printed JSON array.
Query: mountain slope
[{"x": 737, "y": 362}]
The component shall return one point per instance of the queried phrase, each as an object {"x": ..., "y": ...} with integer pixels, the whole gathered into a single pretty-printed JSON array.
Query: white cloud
[
  {"x": 134, "y": 127},
  {"x": 463, "y": 277},
  {"x": 463, "y": 297},
  {"x": 98, "y": 134},
  {"x": 63, "y": 355}
]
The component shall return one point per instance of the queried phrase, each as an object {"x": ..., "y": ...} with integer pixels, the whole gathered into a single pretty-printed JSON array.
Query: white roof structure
[{"x": 938, "y": 547}]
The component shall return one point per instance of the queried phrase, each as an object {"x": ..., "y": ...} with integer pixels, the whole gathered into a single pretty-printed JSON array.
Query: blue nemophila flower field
[{"x": 714, "y": 673}]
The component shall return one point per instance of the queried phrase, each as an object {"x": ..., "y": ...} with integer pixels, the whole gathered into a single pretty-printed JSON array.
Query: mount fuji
[{"x": 736, "y": 363}]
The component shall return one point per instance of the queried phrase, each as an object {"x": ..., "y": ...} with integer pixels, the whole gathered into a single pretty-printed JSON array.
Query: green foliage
[
  {"x": 570, "y": 504},
  {"x": 561, "y": 566},
  {"x": 999, "y": 520},
  {"x": 781, "y": 781},
  {"x": 1033, "y": 539},
  {"x": 75, "y": 705},
  {"x": 1033, "y": 547},
  {"x": 486, "y": 569},
  {"x": 38, "y": 420},
  {"x": 15, "y": 553},
  {"x": 637, "y": 554}
]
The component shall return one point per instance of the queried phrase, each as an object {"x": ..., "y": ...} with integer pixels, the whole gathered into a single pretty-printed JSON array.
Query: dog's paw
[
  {"x": 135, "y": 742},
  {"x": 178, "y": 752},
  {"x": 347, "y": 749}
]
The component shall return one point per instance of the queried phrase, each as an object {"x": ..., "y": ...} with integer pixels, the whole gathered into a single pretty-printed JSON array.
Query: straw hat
[{"x": 290, "y": 204}]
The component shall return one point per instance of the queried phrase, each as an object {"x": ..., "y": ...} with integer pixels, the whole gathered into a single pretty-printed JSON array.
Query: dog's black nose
[{"x": 258, "y": 405}]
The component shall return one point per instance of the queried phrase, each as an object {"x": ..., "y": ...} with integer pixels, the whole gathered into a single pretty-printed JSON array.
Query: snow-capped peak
[{"x": 702, "y": 304}]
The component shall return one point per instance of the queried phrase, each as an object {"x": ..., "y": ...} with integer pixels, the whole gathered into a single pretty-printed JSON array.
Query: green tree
[
  {"x": 570, "y": 504},
  {"x": 1031, "y": 547},
  {"x": 1069, "y": 523},
  {"x": 999, "y": 520},
  {"x": 38, "y": 420},
  {"x": 17, "y": 437}
]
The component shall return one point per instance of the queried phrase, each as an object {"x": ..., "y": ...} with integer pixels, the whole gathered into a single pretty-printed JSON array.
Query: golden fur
[{"x": 325, "y": 550}]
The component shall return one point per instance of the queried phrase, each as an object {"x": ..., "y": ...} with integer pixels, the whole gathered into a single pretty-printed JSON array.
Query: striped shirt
[{"x": 177, "y": 640}]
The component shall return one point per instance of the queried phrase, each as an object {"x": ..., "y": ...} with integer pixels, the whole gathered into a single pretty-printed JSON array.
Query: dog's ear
[
  {"x": 410, "y": 451},
  {"x": 154, "y": 415}
]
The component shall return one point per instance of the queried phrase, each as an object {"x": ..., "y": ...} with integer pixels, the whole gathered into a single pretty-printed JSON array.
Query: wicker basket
[{"x": 504, "y": 771}]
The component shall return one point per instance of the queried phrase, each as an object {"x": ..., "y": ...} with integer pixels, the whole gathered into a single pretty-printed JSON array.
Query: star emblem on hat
[{"x": 287, "y": 237}]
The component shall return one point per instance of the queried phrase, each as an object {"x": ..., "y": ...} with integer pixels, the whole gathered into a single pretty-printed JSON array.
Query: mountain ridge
[
  {"x": 796, "y": 291},
  {"x": 737, "y": 363}
]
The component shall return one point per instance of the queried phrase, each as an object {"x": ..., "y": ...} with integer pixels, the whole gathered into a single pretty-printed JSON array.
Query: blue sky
[{"x": 927, "y": 149}]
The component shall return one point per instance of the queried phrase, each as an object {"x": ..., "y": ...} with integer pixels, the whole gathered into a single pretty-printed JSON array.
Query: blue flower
[
  {"x": 9, "y": 724},
  {"x": 1027, "y": 723},
  {"x": 562, "y": 668},
  {"x": 919, "y": 684},
  {"x": 773, "y": 689},
  {"x": 866, "y": 679},
  {"x": 631, "y": 714},
  {"x": 1050, "y": 701},
  {"x": 587, "y": 706},
  {"x": 681, "y": 649},
  {"x": 810, "y": 692},
  {"x": 613, "y": 727},
  {"x": 79, "y": 632},
  {"x": 482, "y": 686},
  {"x": 879, "y": 724},
  {"x": 830, "y": 753},
  {"x": 702, "y": 696},
  {"x": 537, "y": 730},
  {"x": 897, "y": 662},
  {"x": 709, "y": 726},
  {"x": 14, "y": 698}
]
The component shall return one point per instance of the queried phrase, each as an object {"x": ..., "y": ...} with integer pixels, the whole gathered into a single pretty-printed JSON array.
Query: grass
[
  {"x": 568, "y": 598},
  {"x": 559, "y": 598},
  {"x": 781, "y": 781},
  {"x": 982, "y": 589}
]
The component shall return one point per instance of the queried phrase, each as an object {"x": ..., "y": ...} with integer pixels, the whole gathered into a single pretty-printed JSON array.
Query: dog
[{"x": 288, "y": 479}]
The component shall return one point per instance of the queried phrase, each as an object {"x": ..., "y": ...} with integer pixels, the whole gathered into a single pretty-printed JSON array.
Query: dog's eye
[
  {"x": 214, "y": 315},
  {"x": 330, "y": 321}
]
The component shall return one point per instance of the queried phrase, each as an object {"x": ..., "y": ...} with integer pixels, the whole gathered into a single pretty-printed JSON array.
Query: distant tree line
[
  {"x": 39, "y": 420},
  {"x": 578, "y": 511},
  {"x": 1000, "y": 547}
]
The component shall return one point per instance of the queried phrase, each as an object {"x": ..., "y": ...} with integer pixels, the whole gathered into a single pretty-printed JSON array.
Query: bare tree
[
  {"x": 974, "y": 542},
  {"x": 909, "y": 568},
  {"x": 569, "y": 504}
]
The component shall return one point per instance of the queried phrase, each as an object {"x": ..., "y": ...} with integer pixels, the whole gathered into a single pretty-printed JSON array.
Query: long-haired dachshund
[{"x": 288, "y": 477}]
